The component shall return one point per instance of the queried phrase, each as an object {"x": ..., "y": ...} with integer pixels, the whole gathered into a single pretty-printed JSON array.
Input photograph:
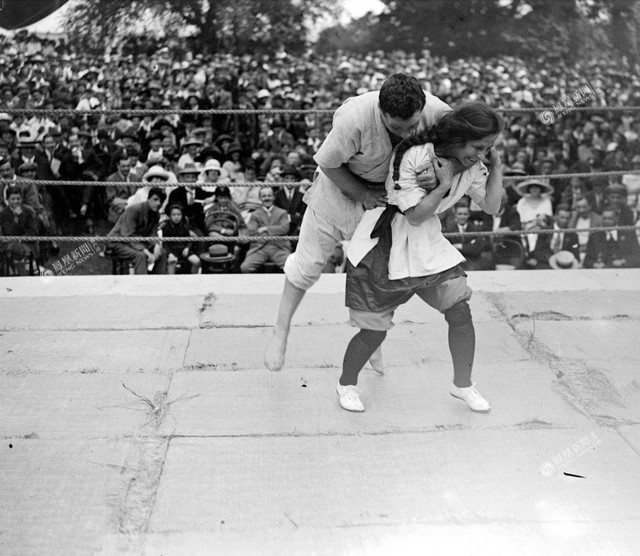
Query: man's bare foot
[
  {"x": 276, "y": 350},
  {"x": 376, "y": 362}
]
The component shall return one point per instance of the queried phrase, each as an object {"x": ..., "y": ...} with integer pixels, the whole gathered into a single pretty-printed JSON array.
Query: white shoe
[
  {"x": 349, "y": 397},
  {"x": 471, "y": 396}
]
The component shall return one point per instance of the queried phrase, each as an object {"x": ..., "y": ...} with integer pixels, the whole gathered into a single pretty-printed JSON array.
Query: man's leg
[
  {"x": 317, "y": 242},
  {"x": 253, "y": 262},
  {"x": 138, "y": 258}
]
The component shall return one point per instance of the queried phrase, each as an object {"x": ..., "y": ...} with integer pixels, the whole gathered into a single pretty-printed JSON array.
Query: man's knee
[{"x": 459, "y": 315}]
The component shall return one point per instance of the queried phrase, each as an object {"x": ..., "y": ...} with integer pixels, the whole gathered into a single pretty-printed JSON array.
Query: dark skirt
[{"x": 368, "y": 285}]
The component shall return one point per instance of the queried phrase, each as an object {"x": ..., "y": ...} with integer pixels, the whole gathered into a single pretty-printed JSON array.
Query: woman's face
[{"x": 472, "y": 151}]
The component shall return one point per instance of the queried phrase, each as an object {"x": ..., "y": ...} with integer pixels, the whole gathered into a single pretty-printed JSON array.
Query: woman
[
  {"x": 400, "y": 251},
  {"x": 534, "y": 202}
]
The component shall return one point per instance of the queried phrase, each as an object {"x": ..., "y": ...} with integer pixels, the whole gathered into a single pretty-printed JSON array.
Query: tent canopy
[{"x": 15, "y": 14}]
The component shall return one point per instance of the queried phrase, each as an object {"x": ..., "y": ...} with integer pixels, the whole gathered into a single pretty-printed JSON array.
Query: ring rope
[
  {"x": 280, "y": 184},
  {"x": 266, "y": 239},
  {"x": 240, "y": 111}
]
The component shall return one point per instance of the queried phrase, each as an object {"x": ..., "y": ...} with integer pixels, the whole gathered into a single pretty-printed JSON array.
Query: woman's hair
[{"x": 469, "y": 122}]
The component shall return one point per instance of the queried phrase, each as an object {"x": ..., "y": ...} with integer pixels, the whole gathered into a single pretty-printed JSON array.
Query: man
[
  {"x": 268, "y": 220},
  {"x": 141, "y": 220},
  {"x": 17, "y": 219},
  {"x": 290, "y": 199},
  {"x": 612, "y": 249},
  {"x": 474, "y": 249},
  {"x": 616, "y": 198},
  {"x": 117, "y": 195},
  {"x": 584, "y": 218},
  {"x": 353, "y": 163},
  {"x": 560, "y": 240}
]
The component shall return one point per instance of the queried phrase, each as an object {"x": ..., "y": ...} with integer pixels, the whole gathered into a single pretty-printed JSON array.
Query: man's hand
[
  {"x": 151, "y": 259},
  {"x": 262, "y": 231},
  {"x": 619, "y": 263},
  {"x": 598, "y": 265},
  {"x": 374, "y": 198},
  {"x": 172, "y": 258},
  {"x": 185, "y": 252},
  {"x": 426, "y": 177}
]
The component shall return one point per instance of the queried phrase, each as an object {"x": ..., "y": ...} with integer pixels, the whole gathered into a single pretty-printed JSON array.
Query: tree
[{"x": 236, "y": 26}]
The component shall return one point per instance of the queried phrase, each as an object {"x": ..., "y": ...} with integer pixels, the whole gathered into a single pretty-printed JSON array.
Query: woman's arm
[
  {"x": 427, "y": 207},
  {"x": 491, "y": 202}
]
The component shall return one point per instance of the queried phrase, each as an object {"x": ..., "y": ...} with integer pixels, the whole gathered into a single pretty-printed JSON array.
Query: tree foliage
[
  {"x": 567, "y": 28},
  {"x": 236, "y": 26}
]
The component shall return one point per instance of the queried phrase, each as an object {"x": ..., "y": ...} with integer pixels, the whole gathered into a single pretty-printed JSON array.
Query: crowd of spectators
[{"x": 170, "y": 152}]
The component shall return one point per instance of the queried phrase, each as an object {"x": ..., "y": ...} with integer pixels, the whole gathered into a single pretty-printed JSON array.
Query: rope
[
  {"x": 240, "y": 111},
  {"x": 22, "y": 181},
  {"x": 266, "y": 239}
]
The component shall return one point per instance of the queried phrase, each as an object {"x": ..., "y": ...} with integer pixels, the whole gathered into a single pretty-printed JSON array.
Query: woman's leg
[
  {"x": 359, "y": 350},
  {"x": 462, "y": 342}
]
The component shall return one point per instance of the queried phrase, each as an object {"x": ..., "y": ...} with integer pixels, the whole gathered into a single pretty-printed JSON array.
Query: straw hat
[
  {"x": 563, "y": 260},
  {"x": 522, "y": 188}
]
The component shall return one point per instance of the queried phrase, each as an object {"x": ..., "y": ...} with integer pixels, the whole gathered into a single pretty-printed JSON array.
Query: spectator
[
  {"x": 182, "y": 253},
  {"x": 475, "y": 250},
  {"x": 612, "y": 249},
  {"x": 141, "y": 220},
  {"x": 616, "y": 198},
  {"x": 190, "y": 150},
  {"x": 156, "y": 176},
  {"x": 289, "y": 198},
  {"x": 232, "y": 166},
  {"x": 17, "y": 219},
  {"x": 187, "y": 196},
  {"x": 532, "y": 204},
  {"x": 268, "y": 220},
  {"x": 118, "y": 195},
  {"x": 560, "y": 240},
  {"x": 584, "y": 218},
  {"x": 539, "y": 248}
]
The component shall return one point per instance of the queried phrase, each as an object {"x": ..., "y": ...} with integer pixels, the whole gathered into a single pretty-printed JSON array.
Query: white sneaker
[
  {"x": 470, "y": 395},
  {"x": 349, "y": 397}
]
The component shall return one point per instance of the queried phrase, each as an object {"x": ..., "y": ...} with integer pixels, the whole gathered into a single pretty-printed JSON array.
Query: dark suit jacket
[
  {"x": 277, "y": 225},
  {"x": 626, "y": 248},
  {"x": 569, "y": 243},
  {"x": 472, "y": 247},
  {"x": 295, "y": 207}
]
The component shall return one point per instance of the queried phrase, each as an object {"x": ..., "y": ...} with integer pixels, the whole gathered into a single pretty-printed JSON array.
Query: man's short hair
[
  {"x": 13, "y": 190},
  {"x": 563, "y": 207},
  {"x": 585, "y": 199},
  {"x": 401, "y": 96},
  {"x": 157, "y": 192}
]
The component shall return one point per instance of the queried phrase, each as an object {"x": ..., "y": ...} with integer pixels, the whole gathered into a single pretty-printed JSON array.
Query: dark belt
[{"x": 384, "y": 222}]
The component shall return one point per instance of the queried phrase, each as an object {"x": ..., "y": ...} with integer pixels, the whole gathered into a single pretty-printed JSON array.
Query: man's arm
[
  {"x": 355, "y": 187},
  {"x": 281, "y": 227}
]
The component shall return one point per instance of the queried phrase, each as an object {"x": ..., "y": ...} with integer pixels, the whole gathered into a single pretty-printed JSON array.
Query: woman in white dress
[{"x": 399, "y": 251}]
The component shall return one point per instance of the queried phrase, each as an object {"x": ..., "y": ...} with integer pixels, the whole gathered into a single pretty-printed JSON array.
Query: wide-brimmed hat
[
  {"x": 192, "y": 141},
  {"x": 522, "y": 188},
  {"x": 26, "y": 139},
  {"x": 212, "y": 164},
  {"x": 172, "y": 206},
  {"x": 189, "y": 168},
  {"x": 563, "y": 260},
  {"x": 233, "y": 147},
  {"x": 156, "y": 172},
  {"x": 290, "y": 171}
]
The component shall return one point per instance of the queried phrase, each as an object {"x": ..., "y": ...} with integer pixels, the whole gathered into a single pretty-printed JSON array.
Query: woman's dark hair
[
  {"x": 401, "y": 96},
  {"x": 469, "y": 122}
]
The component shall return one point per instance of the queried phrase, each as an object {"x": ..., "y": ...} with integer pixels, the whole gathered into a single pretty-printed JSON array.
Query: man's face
[
  {"x": 582, "y": 208},
  {"x": 562, "y": 218},
  {"x": 48, "y": 143},
  {"x": 223, "y": 201},
  {"x": 266, "y": 197},
  {"x": 6, "y": 171},
  {"x": 188, "y": 178},
  {"x": 616, "y": 198},
  {"x": 399, "y": 127},
  {"x": 154, "y": 203},
  {"x": 609, "y": 218},
  {"x": 212, "y": 175},
  {"x": 27, "y": 152},
  {"x": 546, "y": 168},
  {"x": 15, "y": 201},
  {"x": 462, "y": 215},
  {"x": 293, "y": 158},
  {"x": 124, "y": 166},
  {"x": 73, "y": 141}
]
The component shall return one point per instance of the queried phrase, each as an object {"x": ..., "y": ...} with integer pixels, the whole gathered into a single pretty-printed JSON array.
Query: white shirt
[{"x": 417, "y": 250}]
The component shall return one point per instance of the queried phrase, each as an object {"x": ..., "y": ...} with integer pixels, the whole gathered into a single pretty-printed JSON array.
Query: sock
[{"x": 360, "y": 348}]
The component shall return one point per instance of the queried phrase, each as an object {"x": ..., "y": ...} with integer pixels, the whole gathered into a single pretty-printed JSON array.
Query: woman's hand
[
  {"x": 426, "y": 177},
  {"x": 445, "y": 171}
]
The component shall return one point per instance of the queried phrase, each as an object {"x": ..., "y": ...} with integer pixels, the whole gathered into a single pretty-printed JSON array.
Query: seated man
[
  {"x": 289, "y": 198},
  {"x": 539, "y": 245},
  {"x": 561, "y": 240},
  {"x": 584, "y": 218},
  {"x": 613, "y": 249},
  {"x": 141, "y": 220},
  {"x": 117, "y": 195},
  {"x": 17, "y": 219},
  {"x": 268, "y": 220},
  {"x": 475, "y": 250}
]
